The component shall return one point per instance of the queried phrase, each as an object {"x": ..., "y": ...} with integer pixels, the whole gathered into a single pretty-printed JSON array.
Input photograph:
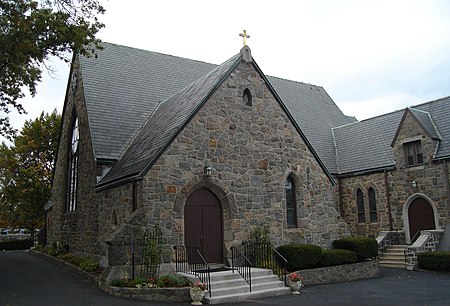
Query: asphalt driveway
[{"x": 27, "y": 279}]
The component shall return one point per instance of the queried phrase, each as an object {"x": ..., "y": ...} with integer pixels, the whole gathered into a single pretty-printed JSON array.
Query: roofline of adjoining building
[{"x": 365, "y": 172}]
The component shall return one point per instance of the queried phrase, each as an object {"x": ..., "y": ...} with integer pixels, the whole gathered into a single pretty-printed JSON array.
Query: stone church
[{"x": 211, "y": 152}]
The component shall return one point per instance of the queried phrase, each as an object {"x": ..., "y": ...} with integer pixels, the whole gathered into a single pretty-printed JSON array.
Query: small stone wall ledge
[{"x": 342, "y": 273}]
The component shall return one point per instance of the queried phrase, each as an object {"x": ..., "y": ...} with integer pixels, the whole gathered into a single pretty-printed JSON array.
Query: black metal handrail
[
  {"x": 242, "y": 265},
  {"x": 190, "y": 260},
  {"x": 263, "y": 255}
]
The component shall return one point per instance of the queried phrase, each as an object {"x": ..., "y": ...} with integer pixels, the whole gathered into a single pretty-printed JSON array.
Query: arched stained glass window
[
  {"x": 360, "y": 205},
  {"x": 291, "y": 205},
  {"x": 372, "y": 205},
  {"x": 73, "y": 168}
]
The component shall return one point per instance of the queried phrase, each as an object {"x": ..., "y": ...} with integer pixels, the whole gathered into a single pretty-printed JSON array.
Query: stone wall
[
  {"x": 342, "y": 273},
  {"x": 78, "y": 229}
]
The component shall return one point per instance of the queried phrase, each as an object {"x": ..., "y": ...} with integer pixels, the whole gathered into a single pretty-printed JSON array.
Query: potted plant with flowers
[
  {"x": 198, "y": 290},
  {"x": 295, "y": 282}
]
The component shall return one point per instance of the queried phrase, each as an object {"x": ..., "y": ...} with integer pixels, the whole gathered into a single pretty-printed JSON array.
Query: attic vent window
[{"x": 247, "y": 97}]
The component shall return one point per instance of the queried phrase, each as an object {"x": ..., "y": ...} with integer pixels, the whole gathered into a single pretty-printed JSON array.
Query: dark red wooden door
[
  {"x": 421, "y": 217},
  {"x": 203, "y": 225}
]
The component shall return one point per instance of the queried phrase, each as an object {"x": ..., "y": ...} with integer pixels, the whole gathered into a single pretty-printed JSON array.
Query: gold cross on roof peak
[{"x": 244, "y": 36}]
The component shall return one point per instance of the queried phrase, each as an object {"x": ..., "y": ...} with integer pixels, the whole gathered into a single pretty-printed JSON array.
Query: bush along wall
[
  {"x": 435, "y": 261},
  {"x": 365, "y": 248},
  {"x": 300, "y": 256},
  {"x": 336, "y": 257}
]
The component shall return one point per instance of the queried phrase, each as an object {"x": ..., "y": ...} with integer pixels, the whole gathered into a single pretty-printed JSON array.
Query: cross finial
[{"x": 244, "y": 36}]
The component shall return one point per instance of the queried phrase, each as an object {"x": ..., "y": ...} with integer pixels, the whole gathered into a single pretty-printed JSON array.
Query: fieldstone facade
[
  {"x": 397, "y": 188},
  {"x": 251, "y": 149}
]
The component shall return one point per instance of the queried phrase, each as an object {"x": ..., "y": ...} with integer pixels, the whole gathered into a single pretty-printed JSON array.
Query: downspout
[
  {"x": 388, "y": 200},
  {"x": 341, "y": 203},
  {"x": 447, "y": 183}
]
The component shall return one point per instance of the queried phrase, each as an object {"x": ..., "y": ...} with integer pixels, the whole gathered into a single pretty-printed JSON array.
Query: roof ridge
[{"x": 284, "y": 79}]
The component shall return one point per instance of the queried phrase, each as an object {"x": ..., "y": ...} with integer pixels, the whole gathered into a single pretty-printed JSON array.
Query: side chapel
[{"x": 210, "y": 152}]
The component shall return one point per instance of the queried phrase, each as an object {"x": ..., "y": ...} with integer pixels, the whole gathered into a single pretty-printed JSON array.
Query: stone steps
[
  {"x": 393, "y": 257},
  {"x": 229, "y": 287}
]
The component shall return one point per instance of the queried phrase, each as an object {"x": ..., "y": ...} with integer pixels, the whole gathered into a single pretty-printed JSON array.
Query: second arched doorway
[
  {"x": 420, "y": 216},
  {"x": 203, "y": 227}
]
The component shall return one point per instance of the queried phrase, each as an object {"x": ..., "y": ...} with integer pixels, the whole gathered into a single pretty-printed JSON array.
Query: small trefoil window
[{"x": 247, "y": 97}]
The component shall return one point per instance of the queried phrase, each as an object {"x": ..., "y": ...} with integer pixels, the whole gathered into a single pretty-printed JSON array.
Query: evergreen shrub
[
  {"x": 364, "y": 247},
  {"x": 300, "y": 256},
  {"x": 436, "y": 261},
  {"x": 336, "y": 257}
]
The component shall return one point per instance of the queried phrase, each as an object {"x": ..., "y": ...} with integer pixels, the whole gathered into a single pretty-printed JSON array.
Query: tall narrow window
[
  {"x": 413, "y": 152},
  {"x": 291, "y": 206},
  {"x": 247, "y": 97},
  {"x": 360, "y": 204},
  {"x": 73, "y": 168},
  {"x": 372, "y": 205}
]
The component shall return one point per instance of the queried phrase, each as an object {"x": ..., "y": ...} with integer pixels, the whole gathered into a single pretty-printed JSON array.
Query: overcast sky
[{"x": 372, "y": 57}]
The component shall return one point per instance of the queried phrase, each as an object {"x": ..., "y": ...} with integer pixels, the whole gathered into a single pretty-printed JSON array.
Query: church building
[{"x": 210, "y": 152}]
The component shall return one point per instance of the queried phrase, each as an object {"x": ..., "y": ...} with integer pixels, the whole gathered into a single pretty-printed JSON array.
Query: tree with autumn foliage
[
  {"x": 32, "y": 31},
  {"x": 26, "y": 169}
]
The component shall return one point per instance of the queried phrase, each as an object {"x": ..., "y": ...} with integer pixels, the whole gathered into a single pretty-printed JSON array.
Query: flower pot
[
  {"x": 295, "y": 286},
  {"x": 197, "y": 296}
]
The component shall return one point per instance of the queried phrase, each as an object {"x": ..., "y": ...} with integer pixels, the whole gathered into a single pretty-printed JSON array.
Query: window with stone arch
[
  {"x": 291, "y": 203},
  {"x": 247, "y": 97},
  {"x": 360, "y": 206},
  {"x": 372, "y": 205},
  {"x": 72, "y": 175}
]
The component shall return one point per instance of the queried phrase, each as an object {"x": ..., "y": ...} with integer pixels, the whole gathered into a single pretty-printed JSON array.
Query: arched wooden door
[
  {"x": 421, "y": 217},
  {"x": 203, "y": 225}
]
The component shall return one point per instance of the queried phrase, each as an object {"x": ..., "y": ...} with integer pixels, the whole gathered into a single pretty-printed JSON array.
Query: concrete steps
[
  {"x": 229, "y": 287},
  {"x": 393, "y": 257}
]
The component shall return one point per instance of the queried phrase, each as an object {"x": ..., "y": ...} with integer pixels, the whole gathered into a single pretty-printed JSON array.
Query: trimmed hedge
[
  {"x": 336, "y": 257},
  {"x": 23, "y": 244},
  {"x": 300, "y": 256},
  {"x": 364, "y": 247},
  {"x": 436, "y": 261}
]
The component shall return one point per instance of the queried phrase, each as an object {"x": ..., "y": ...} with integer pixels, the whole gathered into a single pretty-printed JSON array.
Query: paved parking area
[{"x": 27, "y": 279}]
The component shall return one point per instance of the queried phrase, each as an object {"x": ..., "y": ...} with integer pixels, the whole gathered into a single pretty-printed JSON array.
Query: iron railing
[
  {"x": 263, "y": 255},
  {"x": 190, "y": 260},
  {"x": 241, "y": 264}
]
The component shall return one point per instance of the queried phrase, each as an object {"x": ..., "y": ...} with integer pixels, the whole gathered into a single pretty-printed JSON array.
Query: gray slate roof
[
  {"x": 123, "y": 87},
  {"x": 366, "y": 145},
  {"x": 166, "y": 122}
]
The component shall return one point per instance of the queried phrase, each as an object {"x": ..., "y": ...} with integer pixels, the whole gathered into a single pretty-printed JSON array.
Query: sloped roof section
[
  {"x": 426, "y": 122},
  {"x": 440, "y": 113},
  {"x": 366, "y": 145},
  {"x": 315, "y": 113},
  {"x": 167, "y": 121},
  {"x": 123, "y": 86}
]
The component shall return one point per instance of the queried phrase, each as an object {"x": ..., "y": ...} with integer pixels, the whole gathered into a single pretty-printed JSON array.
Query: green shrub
[
  {"x": 364, "y": 247},
  {"x": 336, "y": 257},
  {"x": 123, "y": 282},
  {"x": 300, "y": 256},
  {"x": 23, "y": 244},
  {"x": 172, "y": 280},
  {"x": 88, "y": 264},
  {"x": 436, "y": 261}
]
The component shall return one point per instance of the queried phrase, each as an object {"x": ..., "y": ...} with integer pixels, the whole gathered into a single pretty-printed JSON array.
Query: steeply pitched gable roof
[
  {"x": 366, "y": 145},
  {"x": 162, "y": 127},
  {"x": 123, "y": 86}
]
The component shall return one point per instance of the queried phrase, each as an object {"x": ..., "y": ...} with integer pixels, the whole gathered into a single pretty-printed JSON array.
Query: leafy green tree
[
  {"x": 30, "y": 32},
  {"x": 26, "y": 171}
]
